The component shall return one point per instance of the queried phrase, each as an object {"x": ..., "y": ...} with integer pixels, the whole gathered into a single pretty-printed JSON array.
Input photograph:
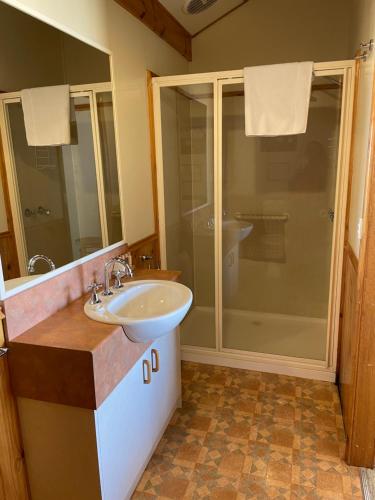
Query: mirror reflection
[{"x": 59, "y": 195}]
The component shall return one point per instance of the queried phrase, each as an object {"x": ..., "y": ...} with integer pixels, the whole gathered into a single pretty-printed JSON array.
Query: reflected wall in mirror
[{"x": 58, "y": 200}]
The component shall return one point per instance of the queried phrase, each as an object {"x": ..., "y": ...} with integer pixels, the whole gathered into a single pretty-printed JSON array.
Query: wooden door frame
[
  {"x": 348, "y": 251},
  {"x": 360, "y": 449},
  {"x": 10, "y": 233},
  {"x": 150, "y": 98},
  {"x": 13, "y": 484}
]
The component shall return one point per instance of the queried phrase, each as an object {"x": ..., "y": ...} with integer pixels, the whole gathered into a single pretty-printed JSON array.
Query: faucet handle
[
  {"x": 118, "y": 275},
  {"x": 128, "y": 269},
  {"x": 93, "y": 288}
]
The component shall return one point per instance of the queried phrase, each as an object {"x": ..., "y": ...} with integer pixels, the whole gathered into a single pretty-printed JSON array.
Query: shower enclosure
[{"x": 255, "y": 224}]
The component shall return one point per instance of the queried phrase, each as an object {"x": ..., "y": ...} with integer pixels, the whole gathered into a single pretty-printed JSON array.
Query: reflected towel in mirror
[{"x": 46, "y": 113}]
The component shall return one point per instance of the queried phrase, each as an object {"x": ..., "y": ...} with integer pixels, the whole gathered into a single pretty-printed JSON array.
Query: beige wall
[
  {"x": 41, "y": 55},
  {"x": 362, "y": 29},
  {"x": 86, "y": 19},
  {"x": 83, "y": 64},
  {"x": 30, "y": 58},
  {"x": 135, "y": 49},
  {"x": 273, "y": 31}
]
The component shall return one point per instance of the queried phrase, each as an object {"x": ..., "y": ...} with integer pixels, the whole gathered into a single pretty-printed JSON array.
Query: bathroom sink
[
  {"x": 147, "y": 309},
  {"x": 233, "y": 232}
]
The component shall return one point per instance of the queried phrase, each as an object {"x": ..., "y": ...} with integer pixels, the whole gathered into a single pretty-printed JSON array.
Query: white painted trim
[
  {"x": 160, "y": 174},
  {"x": 85, "y": 87},
  {"x": 98, "y": 168},
  {"x": 218, "y": 211},
  {"x": 52, "y": 274},
  {"x": 117, "y": 145},
  {"x": 340, "y": 215},
  {"x": 267, "y": 364},
  {"x": 188, "y": 79}
]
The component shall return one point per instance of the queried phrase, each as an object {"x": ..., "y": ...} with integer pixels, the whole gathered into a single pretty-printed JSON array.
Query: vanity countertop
[{"x": 73, "y": 360}]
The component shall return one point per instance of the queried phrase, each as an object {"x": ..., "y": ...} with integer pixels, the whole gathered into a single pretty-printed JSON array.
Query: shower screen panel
[
  {"x": 278, "y": 200},
  {"x": 186, "y": 114}
]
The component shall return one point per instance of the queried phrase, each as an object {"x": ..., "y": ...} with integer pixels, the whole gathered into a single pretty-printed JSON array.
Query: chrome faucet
[
  {"x": 33, "y": 260},
  {"x": 93, "y": 288},
  {"x": 128, "y": 272}
]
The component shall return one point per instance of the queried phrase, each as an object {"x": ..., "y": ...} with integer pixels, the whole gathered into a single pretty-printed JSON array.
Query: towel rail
[{"x": 249, "y": 217}]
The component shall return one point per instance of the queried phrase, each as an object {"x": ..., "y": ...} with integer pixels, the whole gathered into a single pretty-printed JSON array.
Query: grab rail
[{"x": 249, "y": 217}]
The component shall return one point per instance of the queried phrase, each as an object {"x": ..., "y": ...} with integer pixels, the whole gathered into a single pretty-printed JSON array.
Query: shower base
[{"x": 257, "y": 332}]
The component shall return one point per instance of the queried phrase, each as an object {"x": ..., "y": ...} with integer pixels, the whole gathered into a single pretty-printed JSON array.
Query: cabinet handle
[
  {"x": 155, "y": 357},
  {"x": 146, "y": 371}
]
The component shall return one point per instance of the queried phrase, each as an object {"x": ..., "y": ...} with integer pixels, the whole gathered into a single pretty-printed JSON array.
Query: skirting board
[{"x": 268, "y": 366}]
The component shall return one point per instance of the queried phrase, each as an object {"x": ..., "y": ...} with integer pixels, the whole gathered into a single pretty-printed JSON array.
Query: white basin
[
  {"x": 147, "y": 309},
  {"x": 233, "y": 232}
]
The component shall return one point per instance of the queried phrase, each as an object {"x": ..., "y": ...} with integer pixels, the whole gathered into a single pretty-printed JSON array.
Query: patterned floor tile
[
  {"x": 244, "y": 435},
  {"x": 231, "y": 424},
  {"x": 278, "y": 408},
  {"x": 228, "y": 455},
  {"x": 206, "y": 396},
  {"x": 164, "y": 479},
  {"x": 238, "y": 400}
]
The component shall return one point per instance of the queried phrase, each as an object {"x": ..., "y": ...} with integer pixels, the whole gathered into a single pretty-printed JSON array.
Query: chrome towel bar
[
  {"x": 248, "y": 217},
  {"x": 366, "y": 48}
]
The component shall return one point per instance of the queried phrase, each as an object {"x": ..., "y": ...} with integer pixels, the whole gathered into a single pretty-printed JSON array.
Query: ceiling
[{"x": 194, "y": 23}]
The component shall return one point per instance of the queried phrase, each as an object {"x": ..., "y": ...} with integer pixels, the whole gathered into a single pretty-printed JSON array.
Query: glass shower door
[
  {"x": 278, "y": 200},
  {"x": 186, "y": 114}
]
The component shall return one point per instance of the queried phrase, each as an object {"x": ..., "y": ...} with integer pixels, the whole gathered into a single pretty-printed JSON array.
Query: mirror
[{"x": 59, "y": 199}]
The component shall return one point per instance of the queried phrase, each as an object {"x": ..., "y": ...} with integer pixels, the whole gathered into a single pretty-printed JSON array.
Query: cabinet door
[
  {"x": 125, "y": 434},
  {"x": 166, "y": 381},
  {"x": 132, "y": 419}
]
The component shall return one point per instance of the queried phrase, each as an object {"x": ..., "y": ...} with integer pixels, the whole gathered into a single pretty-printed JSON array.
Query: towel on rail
[
  {"x": 277, "y": 98},
  {"x": 46, "y": 112}
]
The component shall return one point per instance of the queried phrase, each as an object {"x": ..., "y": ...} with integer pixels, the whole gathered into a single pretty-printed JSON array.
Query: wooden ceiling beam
[{"x": 157, "y": 18}]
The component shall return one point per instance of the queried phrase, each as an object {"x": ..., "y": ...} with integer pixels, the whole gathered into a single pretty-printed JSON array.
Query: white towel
[
  {"x": 277, "y": 99},
  {"x": 46, "y": 112}
]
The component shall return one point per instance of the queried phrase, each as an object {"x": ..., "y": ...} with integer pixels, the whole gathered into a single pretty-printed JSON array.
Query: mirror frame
[
  {"x": 5, "y": 294},
  {"x": 71, "y": 265}
]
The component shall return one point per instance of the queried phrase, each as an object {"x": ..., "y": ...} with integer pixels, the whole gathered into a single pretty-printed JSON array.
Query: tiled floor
[{"x": 242, "y": 434}]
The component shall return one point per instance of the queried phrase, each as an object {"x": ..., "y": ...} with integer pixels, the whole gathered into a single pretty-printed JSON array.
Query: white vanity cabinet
[
  {"x": 80, "y": 454},
  {"x": 131, "y": 421}
]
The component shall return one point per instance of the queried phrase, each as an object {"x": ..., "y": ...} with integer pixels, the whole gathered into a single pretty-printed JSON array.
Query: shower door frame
[
  {"x": 82, "y": 90},
  {"x": 322, "y": 370}
]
